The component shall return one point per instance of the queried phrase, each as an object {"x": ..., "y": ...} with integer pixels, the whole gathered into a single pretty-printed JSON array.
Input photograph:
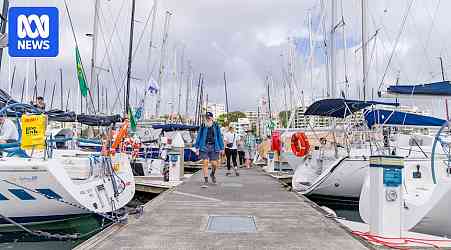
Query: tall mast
[
  {"x": 3, "y": 27},
  {"x": 333, "y": 60},
  {"x": 364, "y": 45},
  {"x": 226, "y": 97},
  {"x": 152, "y": 28},
  {"x": 94, "y": 45},
  {"x": 181, "y": 64},
  {"x": 311, "y": 52},
  {"x": 188, "y": 85},
  {"x": 130, "y": 52},
  {"x": 269, "y": 98},
  {"x": 61, "y": 88},
  {"x": 162, "y": 61}
]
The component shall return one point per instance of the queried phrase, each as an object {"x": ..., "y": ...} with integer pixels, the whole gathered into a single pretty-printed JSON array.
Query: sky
[{"x": 250, "y": 41}]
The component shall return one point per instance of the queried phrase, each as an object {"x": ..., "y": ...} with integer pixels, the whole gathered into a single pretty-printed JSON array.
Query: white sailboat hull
[{"x": 36, "y": 190}]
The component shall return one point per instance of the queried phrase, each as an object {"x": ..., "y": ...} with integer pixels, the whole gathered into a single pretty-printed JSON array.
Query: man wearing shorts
[
  {"x": 249, "y": 147},
  {"x": 209, "y": 144}
]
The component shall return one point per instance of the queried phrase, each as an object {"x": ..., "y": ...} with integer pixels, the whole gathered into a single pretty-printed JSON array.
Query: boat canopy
[
  {"x": 340, "y": 108},
  {"x": 435, "y": 88},
  {"x": 13, "y": 108},
  {"x": 175, "y": 127},
  {"x": 391, "y": 117}
]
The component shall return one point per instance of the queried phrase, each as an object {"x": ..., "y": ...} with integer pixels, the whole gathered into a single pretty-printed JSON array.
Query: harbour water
[{"x": 86, "y": 225}]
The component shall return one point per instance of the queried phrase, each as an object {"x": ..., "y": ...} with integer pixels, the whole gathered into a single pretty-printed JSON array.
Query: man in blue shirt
[{"x": 209, "y": 144}]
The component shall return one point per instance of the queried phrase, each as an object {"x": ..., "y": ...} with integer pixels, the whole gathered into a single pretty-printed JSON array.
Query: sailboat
[{"x": 61, "y": 181}]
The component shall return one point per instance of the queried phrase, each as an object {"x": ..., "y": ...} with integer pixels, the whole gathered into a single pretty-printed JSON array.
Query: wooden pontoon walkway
[{"x": 252, "y": 211}]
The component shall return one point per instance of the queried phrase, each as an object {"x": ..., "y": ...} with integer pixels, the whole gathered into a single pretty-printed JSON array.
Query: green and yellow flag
[
  {"x": 81, "y": 74},
  {"x": 132, "y": 119}
]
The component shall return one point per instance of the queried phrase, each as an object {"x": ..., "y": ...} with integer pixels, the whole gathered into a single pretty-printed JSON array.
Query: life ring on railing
[
  {"x": 300, "y": 146},
  {"x": 276, "y": 144}
]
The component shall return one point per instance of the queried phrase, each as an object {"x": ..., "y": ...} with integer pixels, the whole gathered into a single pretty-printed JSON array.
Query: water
[
  {"x": 85, "y": 224},
  {"x": 90, "y": 224},
  {"x": 345, "y": 211}
]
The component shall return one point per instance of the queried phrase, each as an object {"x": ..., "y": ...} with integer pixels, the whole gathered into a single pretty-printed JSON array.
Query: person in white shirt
[
  {"x": 231, "y": 139},
  {"x": 8, "y": 131}
]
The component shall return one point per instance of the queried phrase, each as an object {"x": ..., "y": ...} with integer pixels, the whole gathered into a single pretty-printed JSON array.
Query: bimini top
[
  {"x": 340, "y": 108},
  {"x": 435, "y": 88},
  {"x": 175, "y": 127},
  {"x": 391, "y": 117}
]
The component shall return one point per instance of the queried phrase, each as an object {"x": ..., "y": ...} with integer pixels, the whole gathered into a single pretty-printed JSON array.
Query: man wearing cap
[{"x": 209, "y": 144}]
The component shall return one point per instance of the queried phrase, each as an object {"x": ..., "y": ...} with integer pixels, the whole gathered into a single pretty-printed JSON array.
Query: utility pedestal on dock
[{"x": 386, "y": 195}]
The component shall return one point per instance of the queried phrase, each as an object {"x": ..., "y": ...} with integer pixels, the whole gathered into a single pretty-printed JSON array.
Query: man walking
[{"x": 209, "y": 144}]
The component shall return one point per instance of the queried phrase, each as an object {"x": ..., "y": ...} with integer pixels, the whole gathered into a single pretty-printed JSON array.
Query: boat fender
[
  {"x": 300, "y": 146},
  {"x": 275, "y": 141}
]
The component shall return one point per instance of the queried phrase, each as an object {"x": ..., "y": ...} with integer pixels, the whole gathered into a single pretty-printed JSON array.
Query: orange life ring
[
  {"x": 275, "y": 141},
  {"x": 300, "y": 145}
]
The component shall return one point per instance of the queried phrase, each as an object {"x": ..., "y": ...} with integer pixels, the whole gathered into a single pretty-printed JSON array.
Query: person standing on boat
[
  {"x": 231, "y": 139},
  {"x": 250, "y": 143},
  {"x": 209, "y": 144},
  {"x": 8, "y": 131}
]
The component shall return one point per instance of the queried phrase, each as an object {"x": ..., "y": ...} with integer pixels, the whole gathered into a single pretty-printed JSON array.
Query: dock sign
[{"x": 33, "y": 32}]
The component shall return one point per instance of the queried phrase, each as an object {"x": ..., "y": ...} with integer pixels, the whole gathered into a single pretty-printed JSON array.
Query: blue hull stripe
[
  {"x": 50, "y": 194},
  {"x": 2, "y": 197},
  {"x": 21, "y": 194}
]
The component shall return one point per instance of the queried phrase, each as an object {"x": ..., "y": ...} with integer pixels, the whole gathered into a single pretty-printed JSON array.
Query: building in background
[
  {"x": 216, "y": 108},
  {"x": 241, "y": 126}
]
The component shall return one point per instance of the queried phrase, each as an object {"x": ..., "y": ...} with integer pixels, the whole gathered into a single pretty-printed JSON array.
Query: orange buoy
[{"x": 300, "y": 145}]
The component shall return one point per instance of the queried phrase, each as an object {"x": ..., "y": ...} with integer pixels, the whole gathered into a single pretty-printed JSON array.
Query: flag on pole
[
  {"x": 81, "y": 74},
  {"x": 132, "y": 119},
  {"x": 153, "y": 86}
]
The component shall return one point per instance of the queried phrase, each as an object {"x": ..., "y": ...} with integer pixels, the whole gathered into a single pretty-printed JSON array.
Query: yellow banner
[{"x": 33, "y": 131}]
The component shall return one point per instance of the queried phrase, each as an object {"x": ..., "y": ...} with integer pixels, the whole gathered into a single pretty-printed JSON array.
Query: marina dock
[{"x": 252, "y": 211}]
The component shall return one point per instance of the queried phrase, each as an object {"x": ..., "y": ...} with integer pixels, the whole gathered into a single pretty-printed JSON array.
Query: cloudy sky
[{"x": 249, "y": 40}]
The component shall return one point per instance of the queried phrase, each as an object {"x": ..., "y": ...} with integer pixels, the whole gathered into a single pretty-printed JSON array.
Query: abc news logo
[
  {"x": 33, "y": 32},
  {"x": 24, "y": 30}
]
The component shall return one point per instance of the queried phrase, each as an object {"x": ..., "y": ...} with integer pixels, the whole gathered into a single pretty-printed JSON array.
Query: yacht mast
[
  {"x": 162, "y": 60},
  {"x": 94, "y": 45},
  {"x": 130, "y": 52},
  {"x": 364, "y": 45},
  {"x": 333, "y": 60}
]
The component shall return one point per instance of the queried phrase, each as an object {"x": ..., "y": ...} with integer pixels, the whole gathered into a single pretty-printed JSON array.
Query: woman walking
[
  {"x": 250, "y": 144},
  {"x": 231, "y": 138}
]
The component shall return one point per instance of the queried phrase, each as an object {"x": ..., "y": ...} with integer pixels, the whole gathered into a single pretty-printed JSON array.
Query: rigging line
[
  {"x": 81, "y": 60},
  {"x": 424, "y": 48},
  {"x": 123, "y": 77},
  {"x": 121, "y": 44},
  {"x": 396, "y": 44},
  {"x": 107, "y": 53},
  {"x": 112, "y": 32}
]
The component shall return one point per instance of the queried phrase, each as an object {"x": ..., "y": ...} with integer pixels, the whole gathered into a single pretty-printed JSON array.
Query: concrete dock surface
[{"x": 251, "y": 211}]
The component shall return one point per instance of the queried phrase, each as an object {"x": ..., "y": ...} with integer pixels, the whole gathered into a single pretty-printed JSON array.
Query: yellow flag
[{"x": 33, "y": 131}]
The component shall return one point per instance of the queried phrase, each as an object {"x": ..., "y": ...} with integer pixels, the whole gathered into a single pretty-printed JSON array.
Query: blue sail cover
[
  {"x": 391, "y": 117},
  {"x": 340, "y": 108},
  {"x": 436, "y": 88},
  {"x": 175, "y": 127}
]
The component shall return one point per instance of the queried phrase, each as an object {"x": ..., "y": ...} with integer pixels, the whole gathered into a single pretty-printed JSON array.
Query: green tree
[
  {"x": 225, "y": 119},
  {"x": 284, "y": 117}
]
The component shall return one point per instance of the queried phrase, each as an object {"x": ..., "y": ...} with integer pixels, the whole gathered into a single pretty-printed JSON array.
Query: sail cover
[
  {"x": 391, "y": 117},
  {"x": 436, "y": 88},
  {"x": 175, "y": 127},
  {"x": 13, "y": 108},
  {"x": 340, "y": 108}
]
